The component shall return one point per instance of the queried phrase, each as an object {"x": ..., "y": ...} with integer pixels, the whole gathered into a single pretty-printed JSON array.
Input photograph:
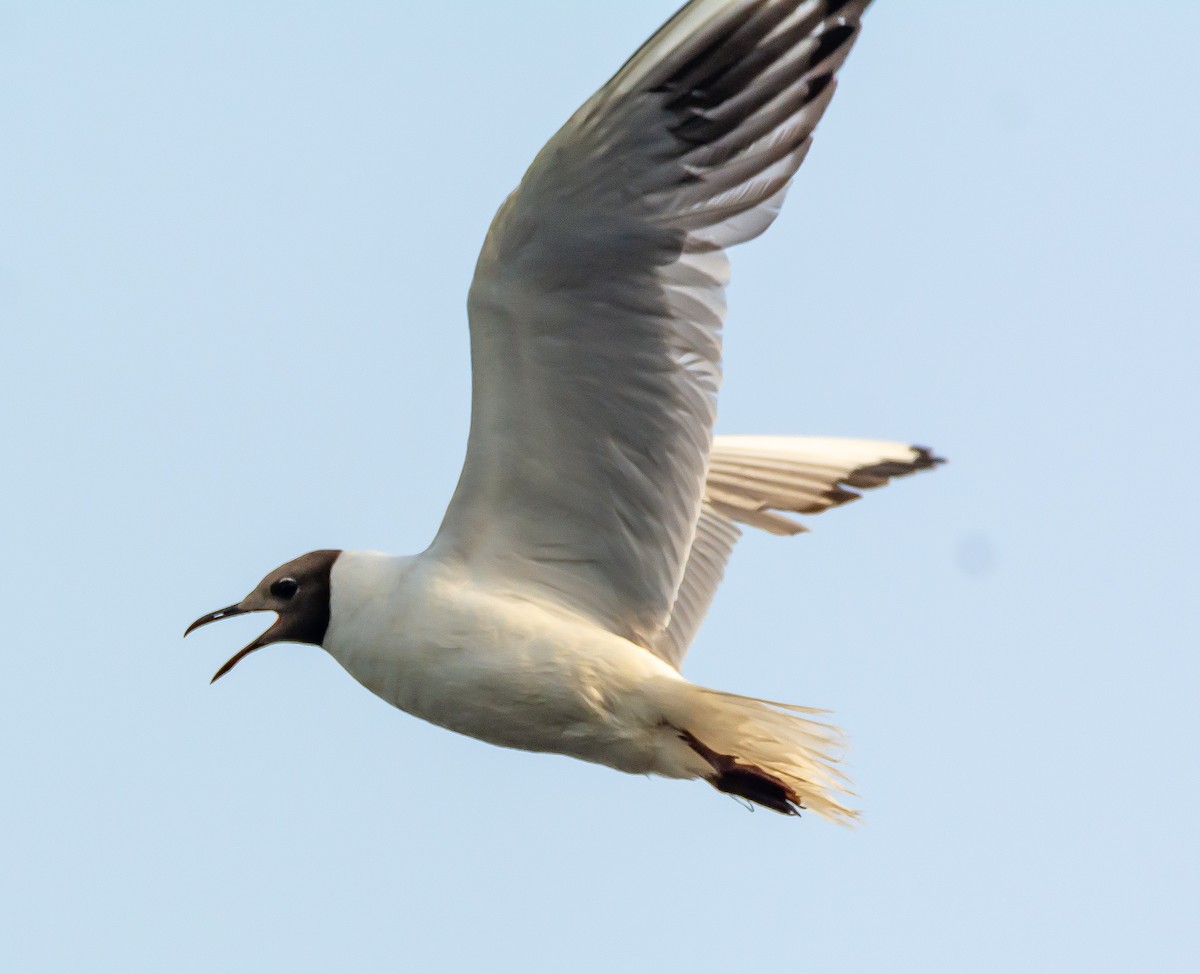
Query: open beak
[{"x": 226, "y": 613}]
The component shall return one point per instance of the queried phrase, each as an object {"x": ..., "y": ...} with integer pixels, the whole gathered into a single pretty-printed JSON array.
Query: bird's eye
[{"x": 284, "y": 588}]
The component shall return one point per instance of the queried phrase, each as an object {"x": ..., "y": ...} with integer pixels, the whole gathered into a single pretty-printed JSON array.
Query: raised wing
[
  {"x": 759, "y": 480},
  {"x": 598, "y": 301}
]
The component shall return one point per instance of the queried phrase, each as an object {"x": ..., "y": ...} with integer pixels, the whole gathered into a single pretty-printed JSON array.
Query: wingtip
[
  {"x": 877, "y": 474},
  {"x": 927, "y": 459}
]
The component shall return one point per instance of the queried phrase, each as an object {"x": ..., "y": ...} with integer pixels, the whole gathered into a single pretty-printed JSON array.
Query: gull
[{"x": 596, "y": 510}]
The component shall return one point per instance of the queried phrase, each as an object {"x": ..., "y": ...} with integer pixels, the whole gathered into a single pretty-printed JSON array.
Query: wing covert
[{"x": 598, "y": 301}]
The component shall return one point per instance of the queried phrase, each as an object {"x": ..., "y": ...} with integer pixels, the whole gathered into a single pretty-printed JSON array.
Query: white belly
[{"x": 433, "y": 642}]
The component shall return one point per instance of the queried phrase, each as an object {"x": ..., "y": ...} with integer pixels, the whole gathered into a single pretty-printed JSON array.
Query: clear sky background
[{"x": 235, "y": 240}]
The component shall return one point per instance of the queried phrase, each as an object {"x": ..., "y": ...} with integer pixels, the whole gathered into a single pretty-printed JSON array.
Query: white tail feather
[{"x": 774, "y": 742}]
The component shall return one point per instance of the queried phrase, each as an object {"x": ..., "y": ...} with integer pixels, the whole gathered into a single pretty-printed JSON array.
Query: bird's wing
[
  {"x": 598, "y": 301},
  {"x": 757, "y": 480},
  {"x": 716, "y": 536}
]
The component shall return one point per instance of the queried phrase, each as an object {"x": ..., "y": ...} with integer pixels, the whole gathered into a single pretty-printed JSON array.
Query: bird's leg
[{"x": 747, "y": 782}]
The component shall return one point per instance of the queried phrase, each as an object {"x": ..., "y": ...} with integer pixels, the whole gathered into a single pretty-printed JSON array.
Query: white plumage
[
  {"x": 757, "y": 481},
  {"x": 595, "y": 512}
]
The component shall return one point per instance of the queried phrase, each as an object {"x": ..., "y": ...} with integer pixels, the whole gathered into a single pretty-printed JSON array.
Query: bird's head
[{"x": 297, "y": 592}]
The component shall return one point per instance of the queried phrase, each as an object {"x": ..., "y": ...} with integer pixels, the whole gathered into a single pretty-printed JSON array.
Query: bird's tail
[{"x": 775, "y": 755}]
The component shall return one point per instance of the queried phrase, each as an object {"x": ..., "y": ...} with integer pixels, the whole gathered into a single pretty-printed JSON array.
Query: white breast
[{"x": 434, "y": 641}]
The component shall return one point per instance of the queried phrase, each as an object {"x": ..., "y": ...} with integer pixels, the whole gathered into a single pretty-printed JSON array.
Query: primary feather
[{"x": 598, "y": 301}]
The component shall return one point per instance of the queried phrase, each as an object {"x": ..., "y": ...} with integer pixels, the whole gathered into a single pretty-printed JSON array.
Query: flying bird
[{"x": 596, "y": 510}]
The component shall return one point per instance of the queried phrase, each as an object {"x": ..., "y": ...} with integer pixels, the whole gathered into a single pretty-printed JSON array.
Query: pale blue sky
[{"x": 235, "y": 240}]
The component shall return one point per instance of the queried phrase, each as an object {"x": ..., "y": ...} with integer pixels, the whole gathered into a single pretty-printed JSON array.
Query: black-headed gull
[{"x": 596, "y": 511}]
